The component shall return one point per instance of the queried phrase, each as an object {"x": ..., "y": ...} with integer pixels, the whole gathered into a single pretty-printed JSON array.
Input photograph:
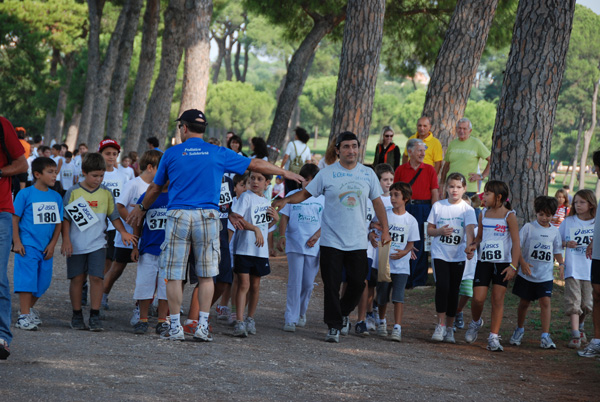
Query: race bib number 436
[
  {"x": 81, "y": 213},
  {"x": 45, "y": 213}
]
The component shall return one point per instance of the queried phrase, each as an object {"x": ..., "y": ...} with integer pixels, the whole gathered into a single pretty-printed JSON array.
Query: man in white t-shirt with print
[{"x": 346, "y": 185}]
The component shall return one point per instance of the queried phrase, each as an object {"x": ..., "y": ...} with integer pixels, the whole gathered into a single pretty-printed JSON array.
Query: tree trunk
[
  {"x": 456, "y": 65},
  {"x": 73, "y": 129},
  {"x": 236, "y": 61},
  {"x": 587, "y": 138},
  {"x": 118, "y": 87},
  {"x": 95, "y": 8},
  {"x": 59, "y": 117},
  {"x": 526, "y": 111},
  {"x": 293, "y": 80},
  {"x": 156, "y": 121},
  {"x": 197, "y": 60},
  {"x": 228, "y": 70},
  {"x": 246, "y": 60},
  {"x": 359, "y": 64},
  {"x": 576, "y": 154},
  {"x": 141, "y": 88},
  {"x": 216, "y": 67},
  {"x": 48, "y": 134},
  {"x": 104, "y": 78}
]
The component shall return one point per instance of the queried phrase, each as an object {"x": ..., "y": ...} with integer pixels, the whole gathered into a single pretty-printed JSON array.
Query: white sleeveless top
[{"x": 496, "y": 243}]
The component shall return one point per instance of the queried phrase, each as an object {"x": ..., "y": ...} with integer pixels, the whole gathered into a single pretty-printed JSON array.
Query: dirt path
[{"x": 57, "y": 363}]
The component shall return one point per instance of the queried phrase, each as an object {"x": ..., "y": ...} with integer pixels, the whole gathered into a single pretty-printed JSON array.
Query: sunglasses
[{"x": 389, "y": 136}]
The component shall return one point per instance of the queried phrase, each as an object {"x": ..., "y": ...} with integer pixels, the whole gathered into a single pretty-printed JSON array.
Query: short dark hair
[
  {"x": 237, "y": 178},
  {"x": 383, "y": 168},
  {"x": 151, "y": 158},
  {"x": 498, "y": 188},
  {"x": 93, "y": 161},
  {"x": 458, "y": 177},
  {"x": 64, "y": 146},
  {"x": 152, "y": 141},
  {"x": 268, "y": 177},
  {"x": 309, "y": 171},
  {"x": 39, "y": 164},
  {"x": 545, "y": 204},
  {"x": 57, "y": 147},
  {"x": 37, "y": 138},
  {"x": 43, "y": 148},
  {"x": 236, "y": 139},
  {"x": 260, "y": 147},
  {"x": 404, "y": 188},
  {"x": 195, "y": 126},
  {"x": 596, "y": 158},
  {"x": 302, "y": 134},
  {"x": 68, "y": 154}
]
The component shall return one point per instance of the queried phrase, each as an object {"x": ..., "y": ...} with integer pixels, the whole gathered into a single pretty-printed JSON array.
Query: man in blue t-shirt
[{"x": 193, "y": 171}]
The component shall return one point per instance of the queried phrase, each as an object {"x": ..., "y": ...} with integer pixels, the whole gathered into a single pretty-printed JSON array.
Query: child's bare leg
[
  {"x": 25, "y": 302},
  {"x": 479, "y": 295},
  {"x": 226, "y": 295},
  {"x": 574, "y": 322},
  {"x": 522, "y": 312},
  {"x": 398, "y": 311},
  {"x": 144, "y": 306},
  {"x": 253, "y": 295},
  {"x": 382, "y": 311},
  {"x": 34, "y": 300},
  {"x": 75, "y": 289},
  {"x": 194, "y": 312},
  {"x": 163, "y": 309},
  {"x": 498, "y": 292},
  {"x": 96, "y": 290},
  {"x": 462, "y": 302},
  {"x": 362, "y": 304},
  {"x": 243, "y": 285},
  {"x": 546, "y": 313}
]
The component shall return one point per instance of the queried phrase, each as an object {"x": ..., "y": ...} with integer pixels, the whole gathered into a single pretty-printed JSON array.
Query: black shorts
[
  {"x": 595, "y": 272},
  {"x": 486, "y": 272},
  {"x": 122, "y": 255},
  {"x": 532, "y": 290},
  {"x": 110, "y": 244},
  {"x": 247, "y": 264}
]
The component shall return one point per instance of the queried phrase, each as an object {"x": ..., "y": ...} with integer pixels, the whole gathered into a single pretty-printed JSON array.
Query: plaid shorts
[{"x": 186, "y": 227}]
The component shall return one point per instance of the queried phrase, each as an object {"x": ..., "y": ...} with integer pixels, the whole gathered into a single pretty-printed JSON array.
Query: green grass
[{"x": 590, "y": 183}]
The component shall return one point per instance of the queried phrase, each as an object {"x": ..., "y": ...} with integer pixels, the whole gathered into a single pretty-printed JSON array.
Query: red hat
[{"x": 109, "y": 143}]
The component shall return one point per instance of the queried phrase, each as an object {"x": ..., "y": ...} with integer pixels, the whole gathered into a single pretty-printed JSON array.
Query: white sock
[
  {"x": 493, "y": 335},
  {"x": 189, "y": 322},
  {"x": 203, "y": 319},
  {"x": 382, "y": 322},
  {"x": 397, "y": 326},
  {"x": 175, "y": 321},
  {"x": 595, "y": 341}
]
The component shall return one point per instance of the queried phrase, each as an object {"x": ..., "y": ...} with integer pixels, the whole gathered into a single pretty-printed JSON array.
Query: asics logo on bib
[
  {"x": 47, "y": 207},
  {"x": 542, "y": 246},
  {"x": 261, "y": 209},
  {"x": 158, "y": 213},
  {"x": 584, "y": 232},
  {"x": 490, "y": 246}
]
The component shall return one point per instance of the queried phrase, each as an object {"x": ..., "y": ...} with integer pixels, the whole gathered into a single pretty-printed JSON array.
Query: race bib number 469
[
  {"x": 81, "y": 213},
  {"x": 45, "y": 213}
]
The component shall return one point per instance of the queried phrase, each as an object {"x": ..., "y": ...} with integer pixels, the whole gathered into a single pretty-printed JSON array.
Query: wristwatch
[
  {"x": 0, "y": 173},
  {"x": 142, "y": 208}
]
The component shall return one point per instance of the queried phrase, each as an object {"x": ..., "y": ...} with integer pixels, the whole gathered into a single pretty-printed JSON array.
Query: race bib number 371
[{"x": 81, "y": 213}]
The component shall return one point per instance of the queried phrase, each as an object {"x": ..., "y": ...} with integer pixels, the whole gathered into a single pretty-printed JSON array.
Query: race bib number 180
[
  {"x": 82, "y": 214},
  {"x": 45, "y": 213}
]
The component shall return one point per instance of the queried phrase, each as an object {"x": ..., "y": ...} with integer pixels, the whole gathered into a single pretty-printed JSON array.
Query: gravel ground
[{"x": 57, "y": 363}]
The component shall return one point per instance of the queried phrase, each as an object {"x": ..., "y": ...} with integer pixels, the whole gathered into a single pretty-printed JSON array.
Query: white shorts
[{"x": 149, "y": 278}]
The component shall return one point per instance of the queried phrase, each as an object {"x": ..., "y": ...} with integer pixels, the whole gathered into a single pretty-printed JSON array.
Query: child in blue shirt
[{"x": 36, "y": 227}]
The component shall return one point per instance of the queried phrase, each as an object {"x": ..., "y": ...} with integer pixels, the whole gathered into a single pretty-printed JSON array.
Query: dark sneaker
[
  {"x": 4, "y": 350},
  {"x": 333, "y": 336},
  {"x": 162, "y": 327},
  {"x": 140, "y": 328},
  {"x": 95, "y": 324},
  {"x": 346, "y": 325},
  {"x": 459, "y": 321},
  {"x": 77, "y": 322},
  {"x": 361, "y": 329}
]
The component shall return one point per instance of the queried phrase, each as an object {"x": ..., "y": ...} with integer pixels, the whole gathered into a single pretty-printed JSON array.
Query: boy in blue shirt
[{"x": 36, "y": 227}]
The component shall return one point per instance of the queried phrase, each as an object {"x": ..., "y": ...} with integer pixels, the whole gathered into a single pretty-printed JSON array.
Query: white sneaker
[
  {"x": 546, "y": 343},
  {"x": 174, "y": 334},
  {"x": 439, "y": 333},
  {"x": 289, "y": 327},
  {"x": 250, "y": 326},
  {"x": 333, "y": 336},
  {"x": 382, "y": 330},
  {"x": 396, "y": 335},
  {"x": 202, "y": 334},
  {"x": 223, "y": 313},
  {"x": 516, "y": 337},
  {"x": 34, "y": 315},
  {"x": 591, "y": 350},
  {"x": 135, "y": 317},
  {"x": 449, "y": 337},
  {"x": 24, "y": 322},
  {"x": 345, "y": 325},
  {"x": 302, "y": 321},
  {"x": 371, "y": 323},
  {"x": 474, "y": 327},
  {"x": 494, "y": 344},
  {"x": 239, "y": 330}
]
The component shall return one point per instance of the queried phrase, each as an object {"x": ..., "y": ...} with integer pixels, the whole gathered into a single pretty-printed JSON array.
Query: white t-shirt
[
  {"x": 132, "y": 191},
  {"x": 305, "y": 221},
  {"x": 496, "y": 243},
  {"x": 576, "y": 264},
  {"x": 470, "y": 265},
  {"x": 114, "y": 181},
  {"x": 29, "y": 171},
  {"x": 387, "y": 203},
  {"x": 302, "y": 149},
  {"x": 57, "y": 160},
  {"x": 346, "y": 193},
  {"x": 403, "y": 228},
  {"x": 127, "y": 172},
  {"x": 67, "y": 173},
  {"x": 458, "y": 216},
  {"x": 254, "y": 210},
  {"x": 538, "y": 245}
]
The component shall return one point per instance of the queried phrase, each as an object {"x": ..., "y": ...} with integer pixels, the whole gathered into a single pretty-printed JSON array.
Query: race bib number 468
[
  {"x": 492, "y": 251},
  {"x": 45, "y": 213},
  {"x": 81, "y": 213}
]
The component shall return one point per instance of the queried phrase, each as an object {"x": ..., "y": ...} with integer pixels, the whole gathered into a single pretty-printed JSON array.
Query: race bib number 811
[{"x": 82, "y": 214}]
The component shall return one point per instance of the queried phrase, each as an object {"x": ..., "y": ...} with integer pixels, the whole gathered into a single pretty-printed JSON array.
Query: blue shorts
[
  {"x": 395, "y": 288},
  {"x": 247, "y": 264},
  {"x": 32, "y": 273},
  {"x": 531, "y": 291}
]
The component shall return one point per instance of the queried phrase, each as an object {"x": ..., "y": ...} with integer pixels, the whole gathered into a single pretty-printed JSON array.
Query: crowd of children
[{"x": 87, "y": 199}]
